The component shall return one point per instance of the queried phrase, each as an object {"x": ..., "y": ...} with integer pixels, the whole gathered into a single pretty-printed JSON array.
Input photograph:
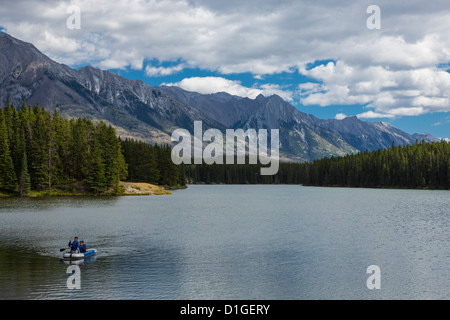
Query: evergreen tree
[
  {"x": 181, "y": 175},
  {"x": 24, "y": 177},
  {"x": 7, "y": 174},
  {"x": 96, "y": 172},
  {"x": 112, "y": 154},
  {"x": 39, "y": 154},
  {"x": 82, "y": 133}
]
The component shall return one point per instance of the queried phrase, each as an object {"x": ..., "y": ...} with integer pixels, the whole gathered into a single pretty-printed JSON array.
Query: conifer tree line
[
  {"x": 152, "y": 164},
  {"x": 288, "y": 173},
  {"x": 422, "y": 165},
  {"x": 42, "y": 151}
]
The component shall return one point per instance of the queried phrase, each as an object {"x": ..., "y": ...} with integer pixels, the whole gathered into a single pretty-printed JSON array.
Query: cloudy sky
[{"x": 321, "y": 56}]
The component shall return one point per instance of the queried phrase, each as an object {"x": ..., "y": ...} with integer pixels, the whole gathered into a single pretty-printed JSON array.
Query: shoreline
[
  {"x": 147, "y": 189},
  {"x": 124, "y": 189},
  {"x": 141, "y": 189},
  {"x": 316, "y": 186}
]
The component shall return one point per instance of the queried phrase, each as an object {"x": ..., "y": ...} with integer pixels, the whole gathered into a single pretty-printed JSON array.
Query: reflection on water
[{"x": 230, "y": 242}]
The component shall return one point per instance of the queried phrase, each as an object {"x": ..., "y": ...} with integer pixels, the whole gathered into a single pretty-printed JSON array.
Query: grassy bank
[
  {"x": 79, "y": 189},
  {"x": 135, "y": 189}
]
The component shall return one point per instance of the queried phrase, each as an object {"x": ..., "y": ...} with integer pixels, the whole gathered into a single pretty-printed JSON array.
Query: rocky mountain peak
[{"x": 149, "y": 113}]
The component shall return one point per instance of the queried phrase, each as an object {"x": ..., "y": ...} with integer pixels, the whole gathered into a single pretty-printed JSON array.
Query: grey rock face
[
  {"x": 134, "y": 107},
  {"x": 149, "y": 113},
  {"x": 302, "y": 136}
]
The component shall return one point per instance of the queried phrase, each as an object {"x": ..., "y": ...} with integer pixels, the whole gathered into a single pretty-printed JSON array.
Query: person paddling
[
  {"x": 82, "y": 246},
  {"x": 74, "y": 245}
]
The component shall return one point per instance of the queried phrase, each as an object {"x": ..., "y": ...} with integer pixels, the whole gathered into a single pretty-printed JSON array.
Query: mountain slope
[
  {"x": 222, "y": 107},
  {"x": 149, "y": 113},
  {"x": 135, "y": 108},
  {"x": 367, "y": 135},
  {"x": 302, "y": 136},
  {"x": 426, "y": 137}
]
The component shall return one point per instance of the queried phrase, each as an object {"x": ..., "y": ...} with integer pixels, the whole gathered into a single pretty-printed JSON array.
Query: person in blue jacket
[
  {"x": 82, "y": 246},
  {"x": 74, "y": 245}
]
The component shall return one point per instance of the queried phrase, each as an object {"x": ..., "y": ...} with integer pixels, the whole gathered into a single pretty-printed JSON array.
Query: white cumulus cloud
[
  {"x": 207, "y": 85},
  {"x": 393, "y": 71},
  {"x": 389, "y": 93},
  {"x": 162, "y": 71},
  {"x": 340, "y": 116}
]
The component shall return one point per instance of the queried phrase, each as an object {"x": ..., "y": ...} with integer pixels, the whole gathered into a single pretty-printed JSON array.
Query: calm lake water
[{"x": 231, "y": 242}]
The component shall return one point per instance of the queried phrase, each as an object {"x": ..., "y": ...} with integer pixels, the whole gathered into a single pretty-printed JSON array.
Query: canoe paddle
[{"x": 63, "y": 249}]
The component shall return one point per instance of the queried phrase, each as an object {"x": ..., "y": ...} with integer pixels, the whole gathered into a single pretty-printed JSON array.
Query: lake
[{"x": 231, "y": 242}]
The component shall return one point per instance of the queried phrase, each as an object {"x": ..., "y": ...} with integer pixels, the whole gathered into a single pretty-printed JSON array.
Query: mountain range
[{"x": 149, "y": 113}]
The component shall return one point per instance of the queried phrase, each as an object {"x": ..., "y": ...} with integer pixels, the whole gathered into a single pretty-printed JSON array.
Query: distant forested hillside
[{"x": 422, "y": 165}]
